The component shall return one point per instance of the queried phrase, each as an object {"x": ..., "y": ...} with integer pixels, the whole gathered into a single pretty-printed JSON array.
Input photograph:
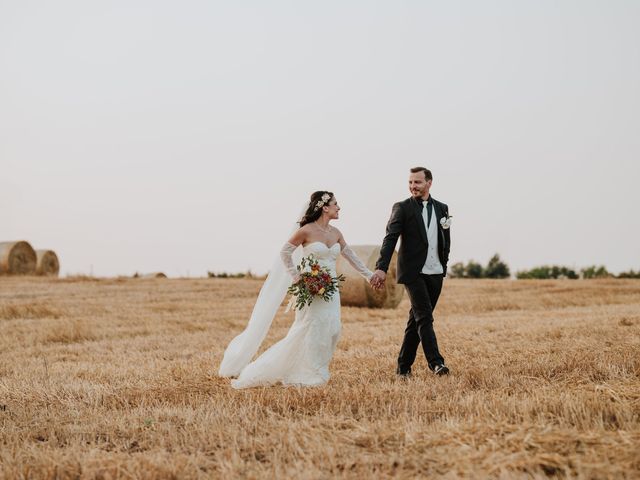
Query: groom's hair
[{"x": 427, "y": 172}]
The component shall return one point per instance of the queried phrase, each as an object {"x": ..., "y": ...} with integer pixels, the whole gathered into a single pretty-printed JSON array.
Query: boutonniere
[{"x": 445, "y": 222}]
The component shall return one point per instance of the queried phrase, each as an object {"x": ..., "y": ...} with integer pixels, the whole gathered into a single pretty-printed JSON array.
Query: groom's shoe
[
  {"x": 441, "y": 369},
  {"x": 404, "y": 375}
]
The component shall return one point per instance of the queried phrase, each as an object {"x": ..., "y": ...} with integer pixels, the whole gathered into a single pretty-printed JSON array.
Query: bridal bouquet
[{"x": 315, "y": 281}]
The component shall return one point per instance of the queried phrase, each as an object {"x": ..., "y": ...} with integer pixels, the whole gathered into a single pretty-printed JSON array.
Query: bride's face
[{"x": 332, "y": 209}]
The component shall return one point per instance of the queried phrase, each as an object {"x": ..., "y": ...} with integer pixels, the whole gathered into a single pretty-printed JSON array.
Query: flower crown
[{"x": 320, "y": 203}]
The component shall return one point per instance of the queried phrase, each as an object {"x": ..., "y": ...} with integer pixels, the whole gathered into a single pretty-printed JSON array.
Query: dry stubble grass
[{"x": 117, "y": 378}]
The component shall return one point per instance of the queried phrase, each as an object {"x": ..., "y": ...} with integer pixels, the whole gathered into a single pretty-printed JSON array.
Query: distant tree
[
  {"x": 457, "y": 270},
  {"x": 247, "y": 274},
  {"x": 538, "y": 273},
  {"x": 629, "y": 274},
  {"x": 547, "y": 272},
  {"x": 218, "y": 275},
  {"x": 496, "y": 268},
  {"x": 595, "y": 272},
  {"x": 569, "y": 273},
  {"x": 556, "y": 271},
  {"x": 474, "y": 270}
]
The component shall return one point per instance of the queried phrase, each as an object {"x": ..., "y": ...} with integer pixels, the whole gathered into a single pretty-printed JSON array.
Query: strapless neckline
[{"x": 322, "y": 243}]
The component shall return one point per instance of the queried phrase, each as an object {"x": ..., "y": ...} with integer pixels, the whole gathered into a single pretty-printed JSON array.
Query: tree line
[{"x": 496, "y": 268}]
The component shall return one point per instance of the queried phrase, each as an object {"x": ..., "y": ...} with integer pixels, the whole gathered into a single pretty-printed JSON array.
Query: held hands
[{"x": 377, "y": 279}]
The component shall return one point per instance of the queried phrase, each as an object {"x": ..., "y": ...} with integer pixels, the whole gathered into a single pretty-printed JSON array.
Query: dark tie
[{"x": 427, "y": 205}]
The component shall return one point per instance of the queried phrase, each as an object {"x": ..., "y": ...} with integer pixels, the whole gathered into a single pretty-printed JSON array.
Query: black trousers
[{"x": 423, "y": 293}]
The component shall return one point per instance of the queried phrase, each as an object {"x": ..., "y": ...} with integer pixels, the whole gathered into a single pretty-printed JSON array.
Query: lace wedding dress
[{"x": 303, "y": 356}]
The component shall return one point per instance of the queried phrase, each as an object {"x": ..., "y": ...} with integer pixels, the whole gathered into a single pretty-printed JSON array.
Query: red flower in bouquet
[{"x": 315, "y": 281}]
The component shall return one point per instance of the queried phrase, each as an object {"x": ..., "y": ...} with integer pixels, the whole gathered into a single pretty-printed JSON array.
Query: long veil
[{"x": 243, "y": 347}]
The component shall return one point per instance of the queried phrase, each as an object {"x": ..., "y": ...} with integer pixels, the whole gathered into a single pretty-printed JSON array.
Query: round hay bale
[
  {"x": 357, "y": 292},
  {"x": 47, "y": 263},
  {"x": 150, "y": 275},
  {"x": 17, "y": 258}
]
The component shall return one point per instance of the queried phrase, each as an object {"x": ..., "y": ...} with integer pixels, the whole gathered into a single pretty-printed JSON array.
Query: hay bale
[
  {"x": 150, "y": 275},
  {"x": 17, "y": 258},
  {"x": 47, "y": 263},
  {"x": 357, "y": 292}
]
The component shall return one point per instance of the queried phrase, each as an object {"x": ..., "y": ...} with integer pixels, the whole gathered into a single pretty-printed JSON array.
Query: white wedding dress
[{"x": 303, "y": 356}]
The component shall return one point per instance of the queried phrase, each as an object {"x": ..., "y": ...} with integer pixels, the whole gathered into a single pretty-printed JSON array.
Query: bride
[{"x": 302, "y": 357}]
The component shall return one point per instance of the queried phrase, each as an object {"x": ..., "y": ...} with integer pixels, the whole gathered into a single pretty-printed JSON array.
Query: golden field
[{"x": 116, "y": 378}]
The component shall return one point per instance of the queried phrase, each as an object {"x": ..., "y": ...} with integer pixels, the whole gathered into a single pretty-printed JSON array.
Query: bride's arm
[
  {"x": 286, "y": 253},
  {"x": 353, "y": 259}
]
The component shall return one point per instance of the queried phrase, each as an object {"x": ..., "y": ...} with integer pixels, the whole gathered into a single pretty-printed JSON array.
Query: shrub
[
  {"x": 247, "y": 274},
  {"x": 595, "y": 272},
  {"x": 547, "y": 272},
  {"x": 629, "y": 274},
  {"x": 457, "y": 270},
  {"x": 496, "y": 268},
  {"x": 474, "y": 270}
]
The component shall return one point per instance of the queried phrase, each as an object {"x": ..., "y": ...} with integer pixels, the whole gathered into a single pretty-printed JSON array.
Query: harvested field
[{"x": 116, "y": 378}]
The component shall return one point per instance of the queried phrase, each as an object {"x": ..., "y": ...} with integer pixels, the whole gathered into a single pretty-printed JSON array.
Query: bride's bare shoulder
[{"x": 300, "y": 235}]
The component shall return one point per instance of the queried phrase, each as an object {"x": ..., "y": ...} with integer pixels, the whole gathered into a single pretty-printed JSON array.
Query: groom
[{"x": 422, "y": 265}]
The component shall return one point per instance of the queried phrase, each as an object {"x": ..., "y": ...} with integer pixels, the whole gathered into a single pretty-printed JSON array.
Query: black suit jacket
[{"x": 406, "y": 222}]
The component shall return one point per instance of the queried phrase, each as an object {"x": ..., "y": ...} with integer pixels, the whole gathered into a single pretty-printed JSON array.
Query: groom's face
[{"x": 419, "y": 185}]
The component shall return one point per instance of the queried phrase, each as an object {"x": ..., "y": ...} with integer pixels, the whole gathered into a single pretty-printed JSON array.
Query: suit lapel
[
  {"x": 417, "y": 210},
  {"x": 439, "y": 212}
]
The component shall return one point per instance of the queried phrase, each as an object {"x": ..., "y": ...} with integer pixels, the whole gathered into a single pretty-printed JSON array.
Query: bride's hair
[{"x": 316, "y": 202}]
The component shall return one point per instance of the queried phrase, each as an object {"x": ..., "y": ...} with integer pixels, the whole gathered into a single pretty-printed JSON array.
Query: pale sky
[{"x": 185, "y": 136}]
